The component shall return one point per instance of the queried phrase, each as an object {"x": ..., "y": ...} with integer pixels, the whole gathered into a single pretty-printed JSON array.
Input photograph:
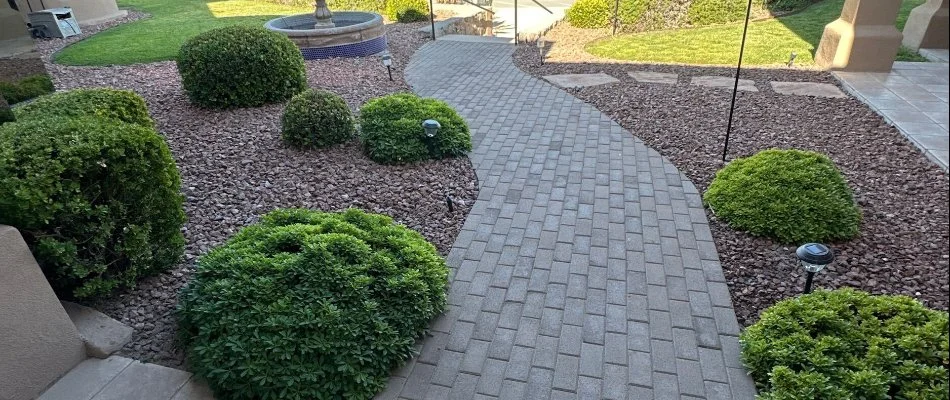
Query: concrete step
[
  {"x": 120, "y": 378},
  {"x": 102, "y": 335}
]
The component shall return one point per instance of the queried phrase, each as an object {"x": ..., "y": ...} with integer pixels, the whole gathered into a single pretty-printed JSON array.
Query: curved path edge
[{"x": 586, "y": 268}]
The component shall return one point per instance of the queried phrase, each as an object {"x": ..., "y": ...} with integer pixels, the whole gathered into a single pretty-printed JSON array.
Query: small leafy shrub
[
  {"x": 793, "y": 196},
  {"x": 391, "y": 129},
  {"x": 26, "y": 88},
  {"x": 6, "y": 114},
  {"x": 711, "y": 12},
  {"x": 599, "y": 13},
  {"x": 240, "y": 66},
  {"x": 317, "y": 118},
  {"x": 310, "y": 305},
  {"x": 377, "y": 6},
  {"x": 407, "y": 10},
  {"x": 846, "y": 344},
  {"x": 119, "y": 105},
  {"x": 96, "y": 200}
]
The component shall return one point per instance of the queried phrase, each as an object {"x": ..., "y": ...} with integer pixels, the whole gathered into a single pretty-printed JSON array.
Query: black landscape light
[
  {"x": 431, "y": 127},
  {"x": 388, "y": 62},
  {"x": 814, "y": 257},
  {"x": 541, "y": 49}
]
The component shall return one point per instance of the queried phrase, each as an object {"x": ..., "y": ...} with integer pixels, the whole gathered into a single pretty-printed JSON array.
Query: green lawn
[
  {"x": 172, "y": 22},
  {"x": 769, "y": 42}
]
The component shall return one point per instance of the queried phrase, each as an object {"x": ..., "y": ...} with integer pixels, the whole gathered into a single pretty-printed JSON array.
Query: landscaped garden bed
[
  {"x": 235, "y": 167},
  {"x": 903, "y": 239}
]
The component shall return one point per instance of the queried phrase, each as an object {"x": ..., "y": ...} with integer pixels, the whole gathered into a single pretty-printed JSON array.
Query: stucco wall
[
  {"x": 88, "y": 12},
  {"x": 38, "y": 342}
]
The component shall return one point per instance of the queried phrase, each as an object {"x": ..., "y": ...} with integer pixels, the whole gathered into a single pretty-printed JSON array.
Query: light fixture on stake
[
  {"x": 388, "y": 62},
  {"x": 431, "y": 127},
  {"x": 813, "y": 257},
  {"x": 541, "y": 48}
]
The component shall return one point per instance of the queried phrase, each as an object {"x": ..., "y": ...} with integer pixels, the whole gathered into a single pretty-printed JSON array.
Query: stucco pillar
[
  {"x": 863, "y": 38},
  {"x": 927, "y": 26},
  {"x": 88, "y": 12},
  {"x": 38, "y": 342}
]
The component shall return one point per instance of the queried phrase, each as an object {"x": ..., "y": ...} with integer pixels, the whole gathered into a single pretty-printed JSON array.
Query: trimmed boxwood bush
[
  {"x": 240, "y": 66},
  {"x": 793, "y": 196},
  {"x": 391, "y": 129},
  {"x": 317, "y": 118},
  {"x": 845, "y": 344},
  {"x": 26, "y": 88},
  {"x": 6, "y": 114},
  {"x": 96, "y": 200},
  {"x": 310, "y": 305},
  {"x": 644, "y": 15},
  {"x": 119, "y": 105},
  {"x": 407, "y": 10}
]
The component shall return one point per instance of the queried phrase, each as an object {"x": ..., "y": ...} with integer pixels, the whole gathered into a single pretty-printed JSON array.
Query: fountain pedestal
[{"x": 323, "y": 15}]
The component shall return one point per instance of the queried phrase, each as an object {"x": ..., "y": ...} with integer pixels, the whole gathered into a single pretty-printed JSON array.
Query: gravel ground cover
[
  {"x": 234, "y": 168},
  {"x": 904, "y": 242}
]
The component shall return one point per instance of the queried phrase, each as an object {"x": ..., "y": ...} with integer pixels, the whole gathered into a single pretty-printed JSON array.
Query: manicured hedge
[
  {"x": 119, "y": 105},
  {"x": 96, "y": 200},
  {"x": 793, "y": 196},
  {"x": 317, "y": 118},
  {"x": 26, "y": 88},
  {"x": 240, "y": 66},
  {"x": 310, "y": 305},
  {"x": 645, "y": 15},
  {"x": 407, "y": 10},
  {"x": 6, "y": 114},
  {"x": 391, "y": 129},
  {"x": 846, "y": 344}
]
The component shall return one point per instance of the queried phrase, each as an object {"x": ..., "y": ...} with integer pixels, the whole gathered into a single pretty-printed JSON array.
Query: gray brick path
[{"x": 586, "y": 268}]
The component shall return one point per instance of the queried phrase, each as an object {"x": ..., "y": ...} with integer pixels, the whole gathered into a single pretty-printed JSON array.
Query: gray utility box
[{"x": 54, "y": 23}]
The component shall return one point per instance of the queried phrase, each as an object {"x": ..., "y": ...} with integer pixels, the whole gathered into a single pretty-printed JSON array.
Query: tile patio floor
[{"x": 912, "y": 97}]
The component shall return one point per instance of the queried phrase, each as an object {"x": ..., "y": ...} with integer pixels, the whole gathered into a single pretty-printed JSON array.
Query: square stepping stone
[
  {"x": 724, "y": 82},
  {"x": 654, "y": 77},
  {"x": 580, "y": 80},
  {"x": 808, "y": 89}
]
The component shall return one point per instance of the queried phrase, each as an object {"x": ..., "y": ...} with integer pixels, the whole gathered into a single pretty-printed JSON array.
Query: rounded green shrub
[
  {"x": 846, "y": 344},
  {"x": 391, "y": 129},
  {"x": 599, "y": 13},
  {"x": 710, "y": 12},
  {"x": 26, "y": 88},
  {"x": 793, "y": 196},
  {"x": 6, "y": 114},
  {"x": 407, "y": 10},
  {"x": 119, "y": 105},
  {"x": 317, "y": 118},
  {"x": 240, "y": 66},
  {"x": 310, "y": 305},
  {"x": 96, "y": 200}
]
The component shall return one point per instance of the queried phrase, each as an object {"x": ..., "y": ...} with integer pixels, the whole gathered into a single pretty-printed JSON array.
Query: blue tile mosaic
[{"x": 361, "y": 49}]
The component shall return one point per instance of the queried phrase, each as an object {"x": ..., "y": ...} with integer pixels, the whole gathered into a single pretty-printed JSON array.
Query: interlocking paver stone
[{"x": 577, "y": 269}]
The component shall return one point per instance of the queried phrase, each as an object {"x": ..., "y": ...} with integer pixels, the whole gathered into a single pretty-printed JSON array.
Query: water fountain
[{"x": 339, "y": 34}]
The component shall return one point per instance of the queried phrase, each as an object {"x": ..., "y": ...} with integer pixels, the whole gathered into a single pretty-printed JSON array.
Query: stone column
[
  {"x": 38, "y": 341},
  {"x": 927, "y": 26},
  {"x": 864, "y": 38}
]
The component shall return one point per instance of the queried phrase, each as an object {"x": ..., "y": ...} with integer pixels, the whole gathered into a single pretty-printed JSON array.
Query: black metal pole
[
  {"x": 735, "y": 88},
  {"x": 516, "y": 21},
  {"x": 390, "y": 70},
  {"x": 432, "y": 17},
  {"x": 811, "y": 275},
  {"x": 616, "y": 10}
]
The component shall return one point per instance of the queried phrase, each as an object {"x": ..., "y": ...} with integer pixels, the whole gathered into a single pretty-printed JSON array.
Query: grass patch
[
  {"x": 159, "y": 37},
  {"x": 769, "y": 42}
]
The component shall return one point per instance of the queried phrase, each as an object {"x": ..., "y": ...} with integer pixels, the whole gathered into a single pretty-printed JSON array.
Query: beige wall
[
  {"x": 38, "y": 342},
  {"x": 88, "y": 12},
  {"x": 928, "y": 26},
  {"x": 11, "y": 25},
  {"x": 863, "y": 38}
]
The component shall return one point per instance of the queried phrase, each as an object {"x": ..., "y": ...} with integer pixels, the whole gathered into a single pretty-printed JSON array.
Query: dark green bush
[
  {"x": 26, "y": 88},
  {"x": 793, "y": 196},
  {"x": 317, "y": 118},
  {"x": 711, "y": 12},
  {"x": 391, "y": 129},
  {"x": 310, "y": 305},
  {"x": 845, "y": 344},
  {"x": 407, "y": 10},
  {"x": 120, "y": 105},
  {"x": 6, "y": 114},
  {"x": 240, "y": 66},
  {"x": 96, "y": 200},
  {"x": 599, "y": 13}
]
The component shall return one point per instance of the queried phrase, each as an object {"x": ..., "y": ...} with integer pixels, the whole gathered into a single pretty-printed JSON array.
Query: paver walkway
[{"x": 585, "y": 269}]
